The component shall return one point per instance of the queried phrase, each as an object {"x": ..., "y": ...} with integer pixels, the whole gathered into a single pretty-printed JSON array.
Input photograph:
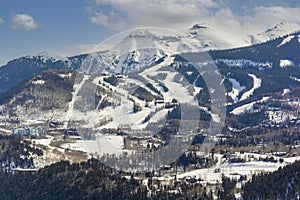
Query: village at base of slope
[{"x": 29, "y": 131}]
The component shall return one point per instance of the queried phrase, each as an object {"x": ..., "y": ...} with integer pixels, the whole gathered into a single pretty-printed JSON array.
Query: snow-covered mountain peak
[
  {"x": 152, "y": 39},
  {"x": 199, "y": 26},
  {"x": 46, "y": 56},
  {"x": 141, "y": 33},
  {"x": 278, "y": 30},
  {"x": 283, "y": 27},
  {"x": 206, "y": 37},
  {"x": 137, "y": 39}
]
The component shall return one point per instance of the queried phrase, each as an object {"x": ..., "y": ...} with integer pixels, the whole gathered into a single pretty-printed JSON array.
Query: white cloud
[
  {"x": 275, "y": 14},
  {"x": 2, "y": 21},
  {"x": 258, "y": 20},
  {"x": 118, "y": 14},
  {"x": 23, "y": 22},
  {"x": 178, "y": 14},
  {"x": 111, "y": 20}
]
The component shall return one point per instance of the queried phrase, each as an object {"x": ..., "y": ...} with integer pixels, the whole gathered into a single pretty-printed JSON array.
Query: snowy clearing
[
  {"x": 286, "y": 63},
  {"x": 233, "y": 170},
  {"x": 65, "y": 75},
  {"x": 295, "y": 79},
  {"x": 286, "y": 91},
  {"x": 38, "y": 82},
  {"x": 103, "y": 144}
]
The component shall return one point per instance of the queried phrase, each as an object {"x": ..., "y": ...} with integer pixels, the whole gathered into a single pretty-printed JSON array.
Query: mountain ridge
[{"x": 120, "y": 60}]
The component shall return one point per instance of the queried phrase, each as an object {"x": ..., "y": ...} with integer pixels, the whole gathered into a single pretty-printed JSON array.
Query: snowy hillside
[
  {"x": 141, "y": 71},
  {"x": 142, "y": 48},
  {"x": 280, "y": 29},
  {"x": 206, "y": 37},
  {"x": 47, "y": 56}
]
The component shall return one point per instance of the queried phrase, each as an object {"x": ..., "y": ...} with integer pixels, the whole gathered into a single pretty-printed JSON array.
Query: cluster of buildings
[{"x": 28, "y": 131}]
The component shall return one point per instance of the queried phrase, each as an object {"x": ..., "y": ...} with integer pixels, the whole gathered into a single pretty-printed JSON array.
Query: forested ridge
[
  {"x": 282, "y": 184},
  {"x": 63, "y": 180}
]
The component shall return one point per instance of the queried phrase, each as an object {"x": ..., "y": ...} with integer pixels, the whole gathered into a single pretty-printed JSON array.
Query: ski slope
[{"x": 256, "y": 84}]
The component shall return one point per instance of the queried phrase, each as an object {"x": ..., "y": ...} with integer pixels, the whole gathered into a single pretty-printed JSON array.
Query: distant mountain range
[
  {"x": 142, "y": 48},
  {"x": 261, "y": 81}
]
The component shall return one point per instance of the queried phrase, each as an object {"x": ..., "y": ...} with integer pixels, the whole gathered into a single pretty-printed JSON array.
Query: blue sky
[
  {"x": 60, "y": 24},
  {"x": 73, "y": 26}
]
